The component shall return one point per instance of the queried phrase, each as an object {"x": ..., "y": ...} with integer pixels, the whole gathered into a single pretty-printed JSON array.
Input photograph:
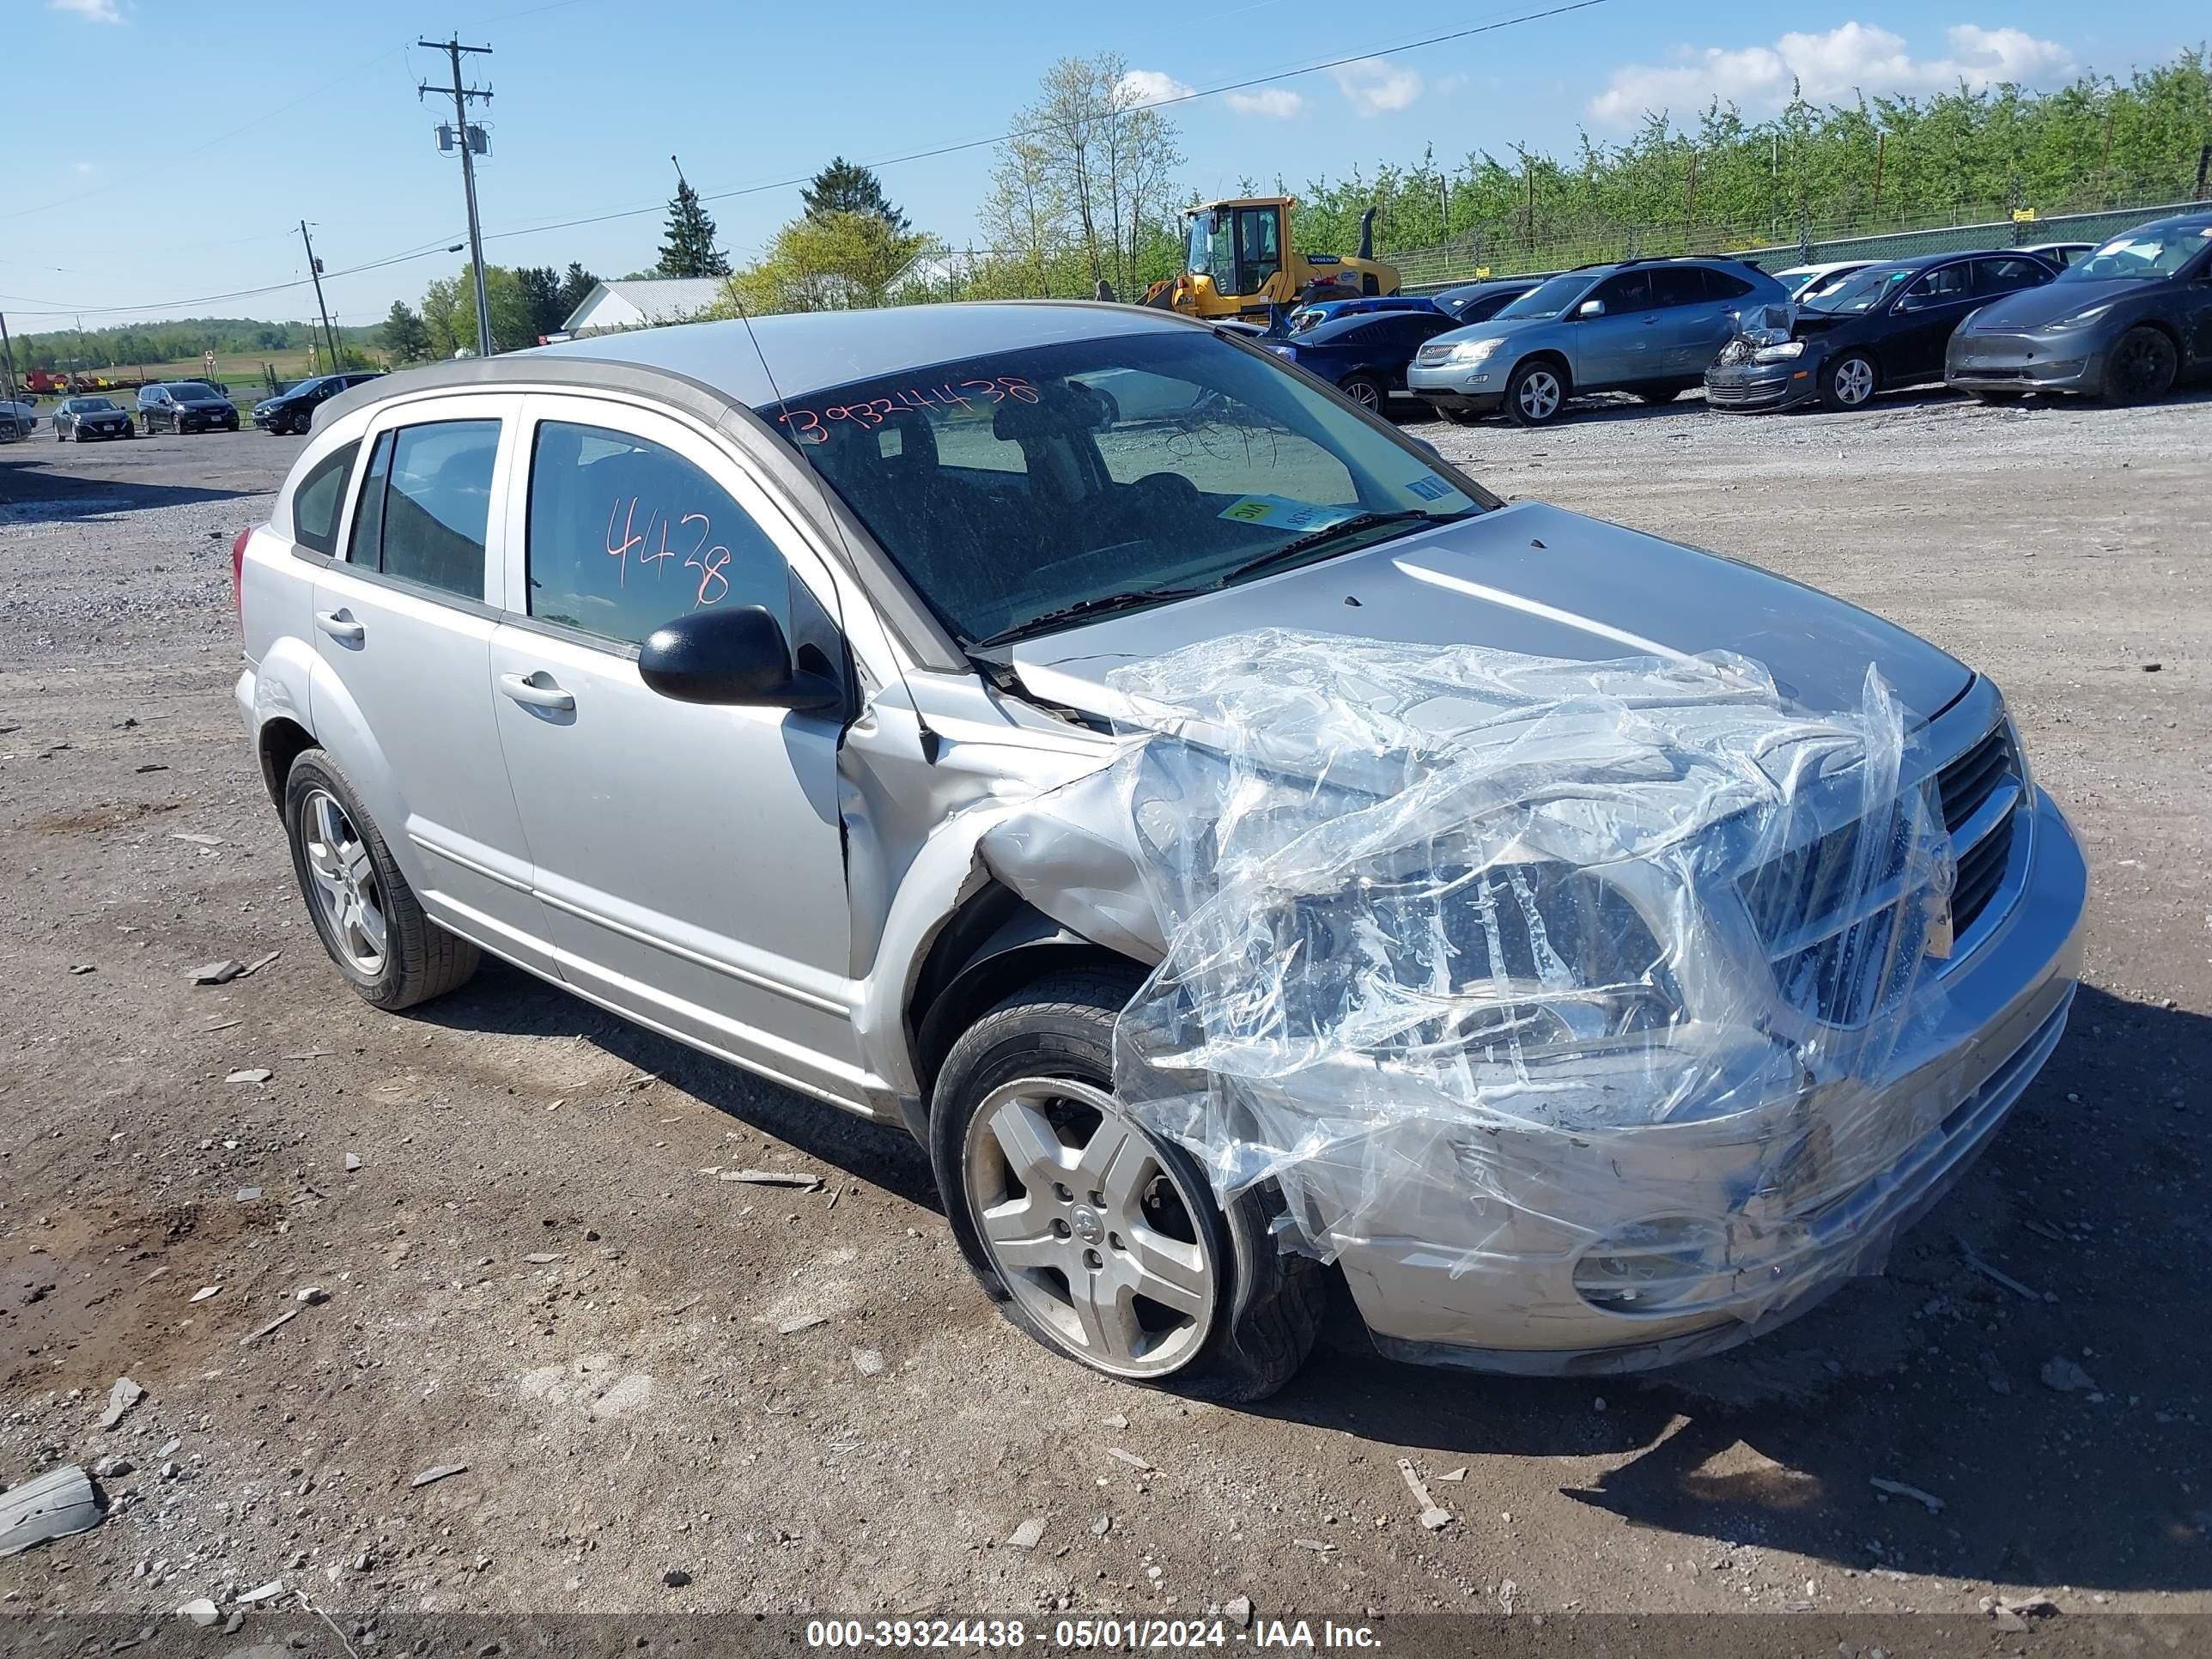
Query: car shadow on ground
[
  {"x": 30, "y": 484},
  {"x": 1937, "y": 1376}
]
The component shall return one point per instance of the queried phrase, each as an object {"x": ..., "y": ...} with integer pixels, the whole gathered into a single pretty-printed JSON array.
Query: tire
[
  {"x": 418, "y": 959},
  {"x": 1535, "y": 393},
  {"x": 1850, "y": 382},
  {"x": 1661, "y": 394},
  {"x": 1369, "y": 393},
  {"x": 2142, "y": 368},
  {"x": 1244, "y": 1314},
  {"x": 1987, "y": 395},
  {"x": 1461, "y": 417}
]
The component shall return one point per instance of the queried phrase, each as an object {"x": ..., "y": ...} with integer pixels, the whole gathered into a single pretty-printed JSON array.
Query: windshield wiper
[
  {"x": 1100, "y": 605},
  {"x": 1313, "y": 538}
]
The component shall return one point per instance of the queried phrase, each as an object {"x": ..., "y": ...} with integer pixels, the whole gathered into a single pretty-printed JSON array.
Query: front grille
[
  {"x": 1828, "y": 911},
  {"x": 1430, "y": 356}
]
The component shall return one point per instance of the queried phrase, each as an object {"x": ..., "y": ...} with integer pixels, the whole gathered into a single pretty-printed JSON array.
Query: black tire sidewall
[
  {"x": 1828, "y": 395},
  {"x": 1382, "y": 397},
  {"x": 400, "y": 984},
  {"x": 1514, "y": 412},
  {"x": 2126, "y": 392}
]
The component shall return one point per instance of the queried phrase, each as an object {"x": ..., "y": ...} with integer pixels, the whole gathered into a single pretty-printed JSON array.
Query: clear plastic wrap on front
[{"x": 1559, "y": 972}]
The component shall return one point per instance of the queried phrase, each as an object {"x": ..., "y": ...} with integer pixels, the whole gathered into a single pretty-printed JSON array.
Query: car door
[
  {"x": 405, "y": 620},
  {"x": 689, "y": 857},
  {"x": 1620, "y": 346},
  {"x": 1691, "y": 327},
  {"x": 1922, "y": 318},
  {"x": 2194, "y": 302}
]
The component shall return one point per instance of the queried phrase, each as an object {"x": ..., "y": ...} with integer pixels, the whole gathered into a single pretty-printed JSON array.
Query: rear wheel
[
  {"x": 370, "y": 921},
  {"x": 1367, "y": 391},
  {"x": 1098, "y": 1239},
  {"x": 1850, "y": 382},
  {"x": 2142, "y": 368},
  {"x": 1535, "y": 393}
]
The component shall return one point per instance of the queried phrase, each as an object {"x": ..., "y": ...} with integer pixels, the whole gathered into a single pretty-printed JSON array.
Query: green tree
[
  {"x": 574, "y": 285},
  {"x": 689, "y": 250},
  {"x": 828, "y": 262},
  {"x": 405, "y": 338},
  {"x": 541, "y": 288},
  {"x": 449, "y": 312},
  {"x": 845, "y": 187}
]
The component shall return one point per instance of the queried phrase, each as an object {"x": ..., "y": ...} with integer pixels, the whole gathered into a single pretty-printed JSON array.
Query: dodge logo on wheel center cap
[{"x": 1088, "y": 1227}]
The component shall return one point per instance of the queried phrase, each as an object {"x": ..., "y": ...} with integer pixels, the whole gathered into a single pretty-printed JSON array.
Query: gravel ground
[{"x": 799, "y": 1401}]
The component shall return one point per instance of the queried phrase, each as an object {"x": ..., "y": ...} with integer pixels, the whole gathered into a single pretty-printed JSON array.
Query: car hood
[
  {"x": 2033, "y": 307},
  {"x": 1535, "y": 579}
]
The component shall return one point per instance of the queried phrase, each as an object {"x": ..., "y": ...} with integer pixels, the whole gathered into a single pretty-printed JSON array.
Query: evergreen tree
[
  {"x": 689, "y": 250},
  {"x": 541, "y": 286},
  {"x": 405, "y": 339},
  {"x": 845, "y": 187},
  {"x": 574, "y": 286}
]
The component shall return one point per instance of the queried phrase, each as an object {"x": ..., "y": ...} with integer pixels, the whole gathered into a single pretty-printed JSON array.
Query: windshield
[
  {"x": 88, "y": 405},
  {"x": 1863, "y": 290},
  {"x": 192, "y": 391},
  {"x": 1550, "y": 298},
  {"x": 1213, "y": 243},
  {"x": 1012, "y": 487},
  {"x": 2146, "y": 254}
]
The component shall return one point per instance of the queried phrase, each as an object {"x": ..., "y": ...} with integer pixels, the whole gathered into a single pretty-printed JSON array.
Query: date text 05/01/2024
[{"x": 1102, "y": 1635}]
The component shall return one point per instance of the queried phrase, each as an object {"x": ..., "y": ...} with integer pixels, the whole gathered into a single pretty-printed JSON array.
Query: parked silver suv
[{"x": 760, "y": 706}]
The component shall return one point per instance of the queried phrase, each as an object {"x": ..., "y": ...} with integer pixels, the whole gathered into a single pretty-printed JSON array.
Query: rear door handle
[
  {"x": 525, "y": 691},
  {"x": 341, "y": 626}
]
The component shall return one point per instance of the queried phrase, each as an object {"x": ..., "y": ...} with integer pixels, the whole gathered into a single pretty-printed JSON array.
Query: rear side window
[
  {"x": 1724, "y": 285},
  {"x": 315, "y": 503},
  {"x": 625, "y": 535},
  {"x": 2008, "y": 276},
  {"x": 426, "y": 505},
  {"x": 1678, "y": 285}
]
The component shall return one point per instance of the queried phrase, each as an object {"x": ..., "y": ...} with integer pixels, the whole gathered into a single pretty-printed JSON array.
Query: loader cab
[{"x": 1240, "y": 247}]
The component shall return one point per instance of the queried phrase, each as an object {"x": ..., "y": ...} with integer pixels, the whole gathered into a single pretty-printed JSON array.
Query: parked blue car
[
  {"x": 1318, "y": 312},
  {"x": 1363, "y": 355}
]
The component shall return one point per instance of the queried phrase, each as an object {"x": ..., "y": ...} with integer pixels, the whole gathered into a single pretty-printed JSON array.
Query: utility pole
[
  {"x": 315, "y": 270},
  {"x": 455, "y": 51},
  {"x": 8, "y": 346}
]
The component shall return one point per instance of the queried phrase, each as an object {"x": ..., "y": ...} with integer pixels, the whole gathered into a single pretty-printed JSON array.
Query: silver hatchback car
[{"x": 753, "y": 683}]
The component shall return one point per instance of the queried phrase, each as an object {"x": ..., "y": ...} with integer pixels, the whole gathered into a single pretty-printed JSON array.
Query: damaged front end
[
  {"x": 1768, "y": 363},
  {"x": 1573, "y": 1008}
]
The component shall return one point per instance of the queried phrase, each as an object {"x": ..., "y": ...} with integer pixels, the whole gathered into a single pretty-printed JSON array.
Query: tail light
[{"x": 238, "y": 571}]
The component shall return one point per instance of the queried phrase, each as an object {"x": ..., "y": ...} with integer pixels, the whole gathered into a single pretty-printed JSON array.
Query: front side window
[
  {"x": 626, "y": 535},
  {"x": 1629, "y": 291},
  {"x": 1012, "y": 488},
  {"x": 426, "y": 505},
  {"x": 315, "y": 503},
  {"x": 1941, "y": 285},
  {"x": 1550, "y": 298}
]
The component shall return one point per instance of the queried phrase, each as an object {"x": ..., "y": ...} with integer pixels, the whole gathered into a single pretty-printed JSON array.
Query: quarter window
[
  {"x": 315, "y": 503},
  {"x": 426, "y": 504},
  {"x": 625, "y": 536}
]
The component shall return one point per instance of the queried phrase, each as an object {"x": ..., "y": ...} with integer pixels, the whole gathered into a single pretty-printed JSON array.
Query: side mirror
[
  {"x": 1590, "y": 309},
  {"x": 737, "y": 657}
]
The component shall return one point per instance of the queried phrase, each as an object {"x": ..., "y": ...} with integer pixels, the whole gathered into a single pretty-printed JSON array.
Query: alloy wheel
[
  {"x": 1364, "y": 393},
  {"x": 1093, "y": 1231},
  {"x": 1539, "y": 394},
  {"x": 345, "y": 887},
  {"x": 1854, "y": 381}
]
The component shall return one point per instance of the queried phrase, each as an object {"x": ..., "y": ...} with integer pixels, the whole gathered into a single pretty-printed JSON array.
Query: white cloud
[
  {"x": 1834, "y": 67},
  {"x": 1278, "y": 103},
  {"x": 1375, "y": 85},
  {"x": 1152, "y": 87},
  {"x": 92, "y": 11}
]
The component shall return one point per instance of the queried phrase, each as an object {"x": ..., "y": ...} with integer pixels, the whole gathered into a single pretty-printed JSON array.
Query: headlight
[
  {"x": 2088, "y": 314},
  {"x": 1779, "y": 353},
  {"x": 1472, "y": 351}
]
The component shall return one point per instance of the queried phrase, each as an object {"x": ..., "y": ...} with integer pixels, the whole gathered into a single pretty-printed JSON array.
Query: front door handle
[
  {"x": 529, "y": 693},
  {"x": 341, "y": 626}
]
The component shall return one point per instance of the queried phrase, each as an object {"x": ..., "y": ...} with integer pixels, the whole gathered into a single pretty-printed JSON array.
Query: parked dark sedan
[
  {"x": 2124, "y": 323},
  {"x": 1365, "y": 355},
  {"x": 76, "y": 419},
  {"x": 1478, "y": 302},
  {"x": 1883, "y": 328},
  {"x": 186, "y": 406},
  {"x": 292, "y": 410}
]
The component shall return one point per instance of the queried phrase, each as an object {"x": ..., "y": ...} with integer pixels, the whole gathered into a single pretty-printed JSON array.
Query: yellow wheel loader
[{"x": 1241, "y": 258}]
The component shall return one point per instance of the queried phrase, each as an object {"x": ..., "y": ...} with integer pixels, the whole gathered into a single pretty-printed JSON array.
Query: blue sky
[{"x": 226, "y": 124}]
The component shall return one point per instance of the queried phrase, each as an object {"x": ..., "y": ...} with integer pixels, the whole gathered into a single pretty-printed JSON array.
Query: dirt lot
[{"x": 535, "y": 1273}]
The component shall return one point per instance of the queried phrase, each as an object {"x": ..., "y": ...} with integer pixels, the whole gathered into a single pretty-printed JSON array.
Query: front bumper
[
  {"x": 2023, "y": 362},
  {"x": 1467, "y": 1276},
  {"x": 1478, "y": 389},
  {"x": 1743, "y": 387}
]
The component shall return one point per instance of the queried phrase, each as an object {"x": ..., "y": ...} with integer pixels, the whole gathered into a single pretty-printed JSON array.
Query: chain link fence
[{"x": 1504, "y": 251}]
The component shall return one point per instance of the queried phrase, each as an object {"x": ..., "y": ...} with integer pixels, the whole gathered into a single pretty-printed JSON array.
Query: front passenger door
[{"x": 689, "y": 857}]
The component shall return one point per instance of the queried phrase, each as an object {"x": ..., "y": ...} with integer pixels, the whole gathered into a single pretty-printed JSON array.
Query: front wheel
[
  {"x": 1098, "y": 1239},
  {"x": 370, "y": 921},
  {"x": 2142, "y": 367},
  {"x": 1850, "y": 382},
  {"x": 1535, "y": 394}
]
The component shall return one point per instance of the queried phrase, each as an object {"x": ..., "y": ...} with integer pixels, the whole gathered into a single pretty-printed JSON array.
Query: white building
[{"x": 642, "y": 302}]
